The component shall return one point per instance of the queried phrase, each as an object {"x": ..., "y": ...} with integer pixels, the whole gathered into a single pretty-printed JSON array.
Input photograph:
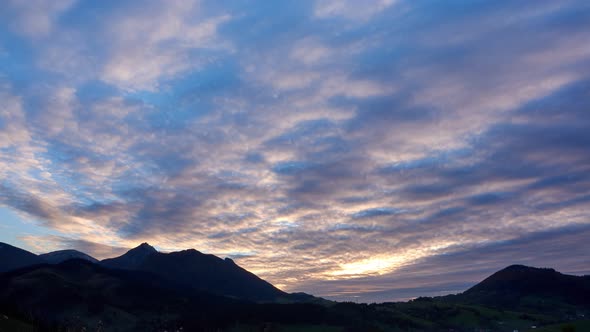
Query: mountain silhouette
[
  {"x": 145, "y": 290},
  {"x": 77, "y": 293},
  {"x": 13, "y": 258},
  {"x": 190, "y": 268},
  {"x": 199, "y": 271},
  {"x": 519, "y": 286},
  {"x": 132, "y": 259},
  {"x": 56, "y": 257}
]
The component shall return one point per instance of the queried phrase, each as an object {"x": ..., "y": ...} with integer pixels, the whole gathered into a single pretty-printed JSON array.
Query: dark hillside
[{"x": 13, "y": 258}]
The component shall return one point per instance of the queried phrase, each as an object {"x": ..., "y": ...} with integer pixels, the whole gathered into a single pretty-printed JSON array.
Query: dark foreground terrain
[{"x": 145, "y": 290}]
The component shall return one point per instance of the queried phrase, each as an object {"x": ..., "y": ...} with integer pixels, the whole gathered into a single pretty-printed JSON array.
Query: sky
[{"x": 364, "y": 151}]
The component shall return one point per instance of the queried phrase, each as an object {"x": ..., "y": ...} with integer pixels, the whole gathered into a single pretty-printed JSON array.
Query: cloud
[
  {"x": 350, "y": 9},
  {"x": 376, "y": 212},
  {"x": 455, "y": 272},
  {"x": 133, "y": 47},
  {"x": 35, "y": 18},
  {"x": 329, "y": 148},
  {"x": 159, "y": 44}
]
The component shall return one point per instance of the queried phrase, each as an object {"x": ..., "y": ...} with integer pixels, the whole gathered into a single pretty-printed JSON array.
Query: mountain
[
  {"x": 198, "y": 271},
  {"x": 132, "y": 259},
  {"x": 524, "y": 287},
  {"x": 189, "y": 268},
  {"x": 182, "y": 291},
  {"x": 60, "y": 256},
  {"x": 13, "y": 258},
  {"x": 78, "y": 294}
]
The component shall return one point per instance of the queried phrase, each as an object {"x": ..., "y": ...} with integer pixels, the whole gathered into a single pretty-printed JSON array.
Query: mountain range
[
  {"x": 59, "y": 256},
  {"x": 199, "y": 271},
  {"x": 146, "y": 290},
  {"x": 187, "y": 268},
  {"x": 12, "y": 258}
]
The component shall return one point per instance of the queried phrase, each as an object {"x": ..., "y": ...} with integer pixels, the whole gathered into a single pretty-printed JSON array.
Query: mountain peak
[
  {"x": 59, "y": 256},
  {"x": 145, "y": 247},
  {"x": 517, "y": 269},
  {"x": 507, "y": 287},
  {"x": 132, "y": 258},
  {"x": 520, "y": 279}
]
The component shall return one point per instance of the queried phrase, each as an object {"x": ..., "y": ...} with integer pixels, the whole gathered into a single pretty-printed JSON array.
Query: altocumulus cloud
[{"x": 333, "y": 148}]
